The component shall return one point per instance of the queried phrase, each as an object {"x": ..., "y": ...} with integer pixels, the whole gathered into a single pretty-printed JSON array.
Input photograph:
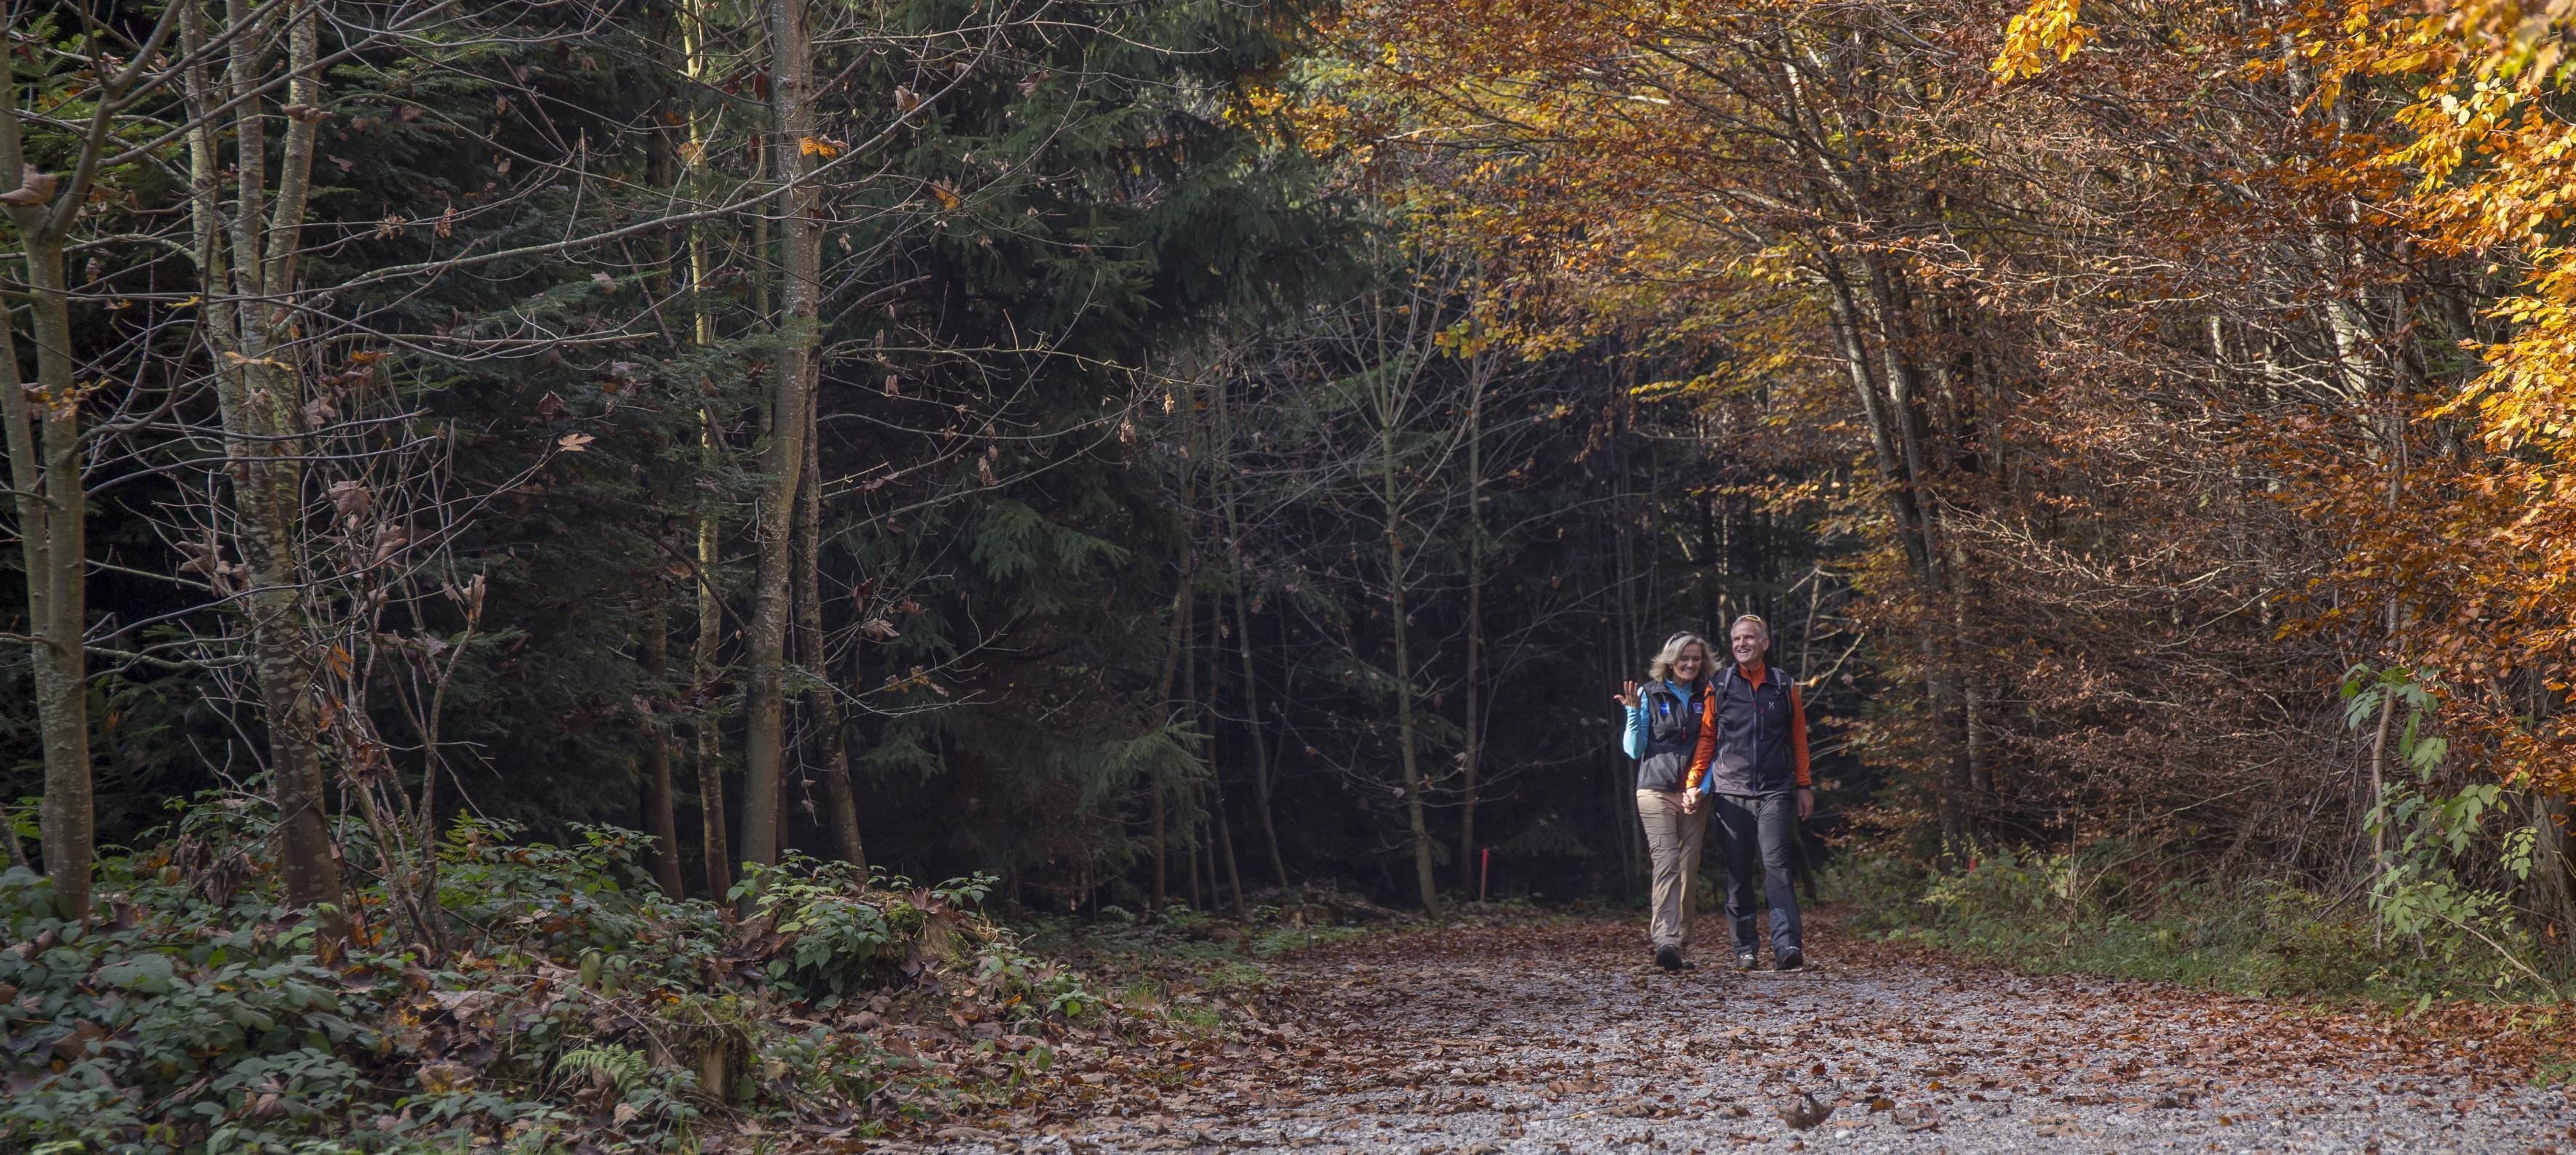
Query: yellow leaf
[{"x": 2047, "y": 26}]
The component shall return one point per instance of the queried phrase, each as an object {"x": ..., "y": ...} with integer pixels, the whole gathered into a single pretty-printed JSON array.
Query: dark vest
[
  {"x": 1753, "y": 737},
  {"x": 1672, "y": 734}
]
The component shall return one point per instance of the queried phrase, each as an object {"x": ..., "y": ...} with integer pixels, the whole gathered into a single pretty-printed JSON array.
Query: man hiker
[{"x": 1751, "y": 763}]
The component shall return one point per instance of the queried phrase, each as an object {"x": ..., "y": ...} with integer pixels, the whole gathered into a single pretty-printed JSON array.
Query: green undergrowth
[
  {"x": 570, "y": 1006},
  {"x": 1203, "y": 971},
  {"x": 2086, "y": 913}
]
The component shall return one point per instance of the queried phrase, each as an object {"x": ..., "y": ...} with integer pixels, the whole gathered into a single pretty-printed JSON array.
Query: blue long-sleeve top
[{"x": 1632, "y": 738}]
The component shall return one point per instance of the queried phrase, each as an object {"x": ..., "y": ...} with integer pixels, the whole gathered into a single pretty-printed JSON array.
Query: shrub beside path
[{"x": 1550, "y": 1037}]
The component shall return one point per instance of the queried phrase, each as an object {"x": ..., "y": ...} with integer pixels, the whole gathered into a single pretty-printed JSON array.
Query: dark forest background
[
  {"x": 1173, "y": 525},
  {"x": 648, "y": 574},
  {"x": 1162, "y": 452}
]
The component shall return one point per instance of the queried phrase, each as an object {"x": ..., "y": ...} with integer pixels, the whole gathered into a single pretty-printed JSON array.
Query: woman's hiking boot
[
  {"x": 1790, "y": 959},
  {"x": 1745, "y": 960}
]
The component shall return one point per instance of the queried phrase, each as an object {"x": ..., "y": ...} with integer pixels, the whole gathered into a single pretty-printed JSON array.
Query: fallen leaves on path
[{"x": 1557, "y": 1037}]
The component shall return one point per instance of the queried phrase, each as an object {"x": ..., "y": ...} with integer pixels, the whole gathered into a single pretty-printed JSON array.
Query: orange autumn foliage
[
  {"x": 2137, "y": 335},
  {"x": 2483, "y": 560}
]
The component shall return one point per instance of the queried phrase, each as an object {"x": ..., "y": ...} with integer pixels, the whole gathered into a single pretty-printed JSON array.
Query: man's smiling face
[{"x": 1748, "y": 643}]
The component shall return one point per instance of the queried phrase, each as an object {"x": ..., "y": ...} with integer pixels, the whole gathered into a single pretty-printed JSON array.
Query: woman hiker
[
  {"x": 1662, "y": 733},
  {"x": 1751, "y": 762}
]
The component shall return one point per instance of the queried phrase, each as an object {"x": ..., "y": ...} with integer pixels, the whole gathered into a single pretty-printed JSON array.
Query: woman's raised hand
[{"x": 1628, "y": 694}]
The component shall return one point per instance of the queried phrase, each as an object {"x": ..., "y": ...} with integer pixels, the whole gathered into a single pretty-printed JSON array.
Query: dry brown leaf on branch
[{"x": 35, "y": 187}]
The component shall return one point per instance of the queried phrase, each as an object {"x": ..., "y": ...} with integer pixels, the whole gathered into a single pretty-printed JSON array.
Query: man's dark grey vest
[{"x": 1754, "y": 755}]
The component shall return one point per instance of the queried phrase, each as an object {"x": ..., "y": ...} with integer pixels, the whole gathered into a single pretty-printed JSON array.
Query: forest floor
[{"x": 1556, "y": 1036}]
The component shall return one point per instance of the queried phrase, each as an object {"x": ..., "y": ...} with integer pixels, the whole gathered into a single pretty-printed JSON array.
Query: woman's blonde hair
[{"x": 1662, "y": 667}]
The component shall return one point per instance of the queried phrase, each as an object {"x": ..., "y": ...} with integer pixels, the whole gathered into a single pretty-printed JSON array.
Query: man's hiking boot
[
  {"x": 1669, "y": 958},
  {"x": 1683, "y": 964},
  {"x": 1745, "y": 961},
  {"x": 1790, "y": 959}
]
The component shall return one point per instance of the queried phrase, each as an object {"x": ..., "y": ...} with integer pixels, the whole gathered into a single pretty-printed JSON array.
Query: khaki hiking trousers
[{"x": 1672, "y": 846}]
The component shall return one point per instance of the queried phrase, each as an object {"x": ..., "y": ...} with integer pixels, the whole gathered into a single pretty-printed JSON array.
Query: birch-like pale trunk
[
  {"x": 706, "y": 729},
  {"x": 249, "y": 265}
]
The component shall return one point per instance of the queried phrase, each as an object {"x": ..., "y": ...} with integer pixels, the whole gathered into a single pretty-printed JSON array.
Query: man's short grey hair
[
  {"x": 1757, "y": 623},
  {"x": 1662, "y": 667}
]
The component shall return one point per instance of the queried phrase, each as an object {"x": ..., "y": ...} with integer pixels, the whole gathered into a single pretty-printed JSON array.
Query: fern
[{"x": 624, "y": 1066}]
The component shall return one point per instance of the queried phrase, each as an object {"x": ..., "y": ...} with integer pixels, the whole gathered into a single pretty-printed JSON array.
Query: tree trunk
[
  {"x": 1199, "y": 849},
  {"x": 1188, "y": 707},
  {"x": 2553, "y": 865},
  {"x": 44, "y": 443},
  {"x": 1162, "y": 846},
  {"x": 1158, "y": 803},
  {"x": 653, "y": 745},
  {"x": 1623, "y": 645},
  {"x": 251, "y": 276},
  {"x": 1887, "y": 394},
  {"x": 1175, "y": 646},
  {"x": 706, "y": 730},
  {"x": 44, "y": 472},
  {"x": 663, "y": 169},
  {"x": 1261, "y": 784},
  {"x": 1216, "y": 777},
  {"x": 783, "y": 458},
  {"x": 840, "y": 793},
  {"x": 1846, "y": 319},
  {"x": 1415, "y": 804},
  {"x": 1474, "y": 722}
]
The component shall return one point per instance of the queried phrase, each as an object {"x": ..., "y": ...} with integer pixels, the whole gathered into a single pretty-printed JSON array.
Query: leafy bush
[
  {"x": 825, "y": 932},
  {"x": 2428, "y": 882},
  {"x": 574, "y": 1002}
]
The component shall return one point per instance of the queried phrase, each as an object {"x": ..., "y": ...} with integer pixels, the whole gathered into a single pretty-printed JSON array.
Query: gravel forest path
[{"x": 1555, "y": 1037}]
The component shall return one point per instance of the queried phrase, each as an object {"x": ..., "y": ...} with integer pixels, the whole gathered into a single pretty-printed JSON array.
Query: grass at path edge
[{"x": 2266, "y": 940}]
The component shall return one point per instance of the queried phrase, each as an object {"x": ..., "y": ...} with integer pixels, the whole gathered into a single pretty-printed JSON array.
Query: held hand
[
  {"x": 1628, "y": 694},
  {"x": 1806, "y": 803},
  {"x": 1690, "y": 801}
]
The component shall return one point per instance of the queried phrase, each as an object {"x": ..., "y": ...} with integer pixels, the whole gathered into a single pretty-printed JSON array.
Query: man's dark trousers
[{"x": 1768, "y": 821}]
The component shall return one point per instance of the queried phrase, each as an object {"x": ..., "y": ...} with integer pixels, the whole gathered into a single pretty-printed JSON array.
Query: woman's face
[{"x": 1692, "y": 663}]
